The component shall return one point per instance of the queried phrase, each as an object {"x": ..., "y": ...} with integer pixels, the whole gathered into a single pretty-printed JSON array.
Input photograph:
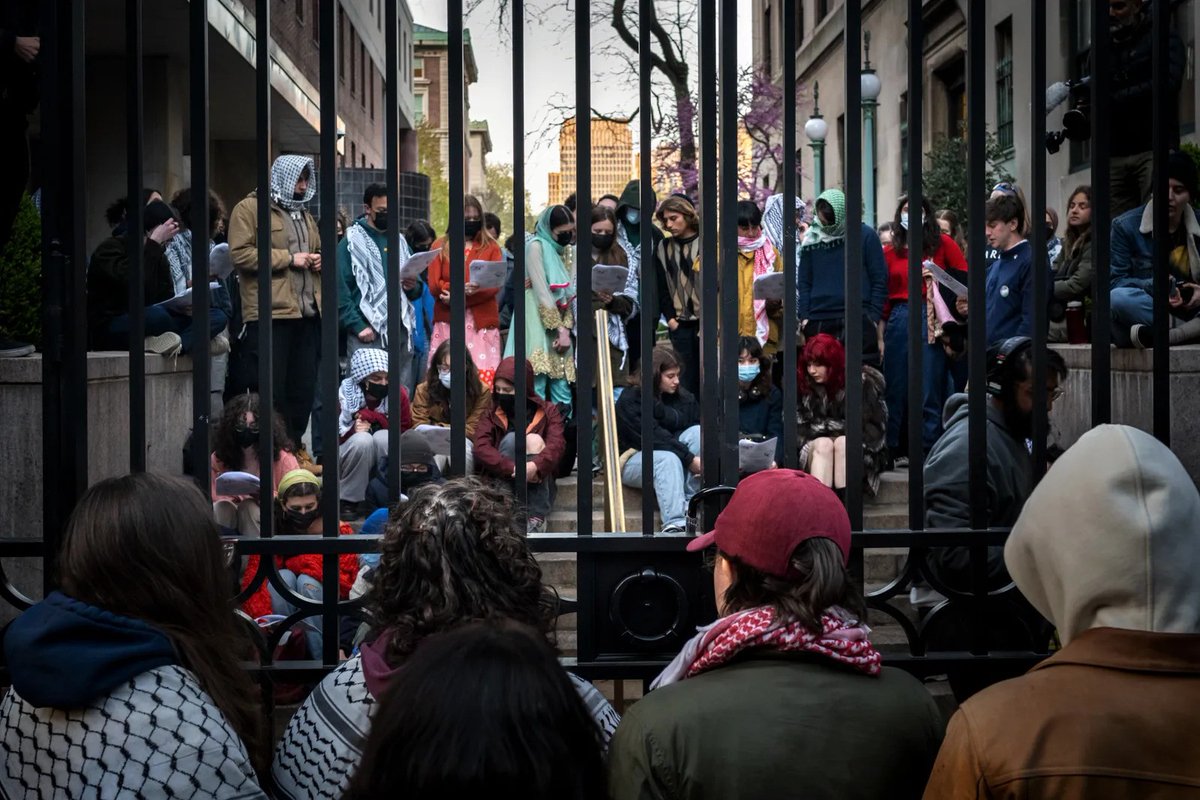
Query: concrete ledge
[{"x": 1133, "y": 397}]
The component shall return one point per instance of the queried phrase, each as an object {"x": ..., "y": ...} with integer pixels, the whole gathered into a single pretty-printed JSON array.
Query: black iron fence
[{"x": 639, "y": 594}]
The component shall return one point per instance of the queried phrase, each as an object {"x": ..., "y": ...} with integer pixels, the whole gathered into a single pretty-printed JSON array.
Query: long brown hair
[
  {"x": 439, "y": 395},
  {"x": 662, "y": 359},
  {"x": 471, "y": 201},
  {"x": 1082, "y": 235},
  {"x": 225, "y": 446},
  {"x": 145, "y": 546}
]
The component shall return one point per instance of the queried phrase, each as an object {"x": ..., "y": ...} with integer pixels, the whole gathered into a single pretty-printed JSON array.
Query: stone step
[{"x": 893, "y": 488}]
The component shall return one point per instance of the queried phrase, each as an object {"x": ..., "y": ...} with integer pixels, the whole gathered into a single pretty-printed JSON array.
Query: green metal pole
[
  {"x": 818, "y": 166},
  {"x": 869, "y": 160}
]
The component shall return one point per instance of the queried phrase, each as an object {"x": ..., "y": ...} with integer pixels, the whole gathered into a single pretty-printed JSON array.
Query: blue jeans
[
  {"x": 940, "y": 377},
  {"x": 160, "y": 321},
  {"x": 673, "y": 484},
  {"x": 310, "y": 588},
  {"x": 1130, "y": 306}
]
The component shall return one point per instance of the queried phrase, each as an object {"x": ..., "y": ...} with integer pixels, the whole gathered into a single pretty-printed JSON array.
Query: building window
[
  {"x": 822, "y": 11},
  {"x": 1079, "y": 24},
  {"x": 341, "y": 43},
  {"x": 300, "y": 9},
  {"x": 353, "y": 64},
  {"x": 316, "y": 22},
  {"x": 419, "y": 68},
  {"x": 799, "y": 22},
  {"x": 420, "y": 110},
  {"x": 768, "y": 56},
  {"x": 841, "y": 144},
  {"x": 904, "y": 143},
  {"x": 1004, "y": 84},
  {"x": 365, "y": 66},
  {"x": 353, "y": 154},
  {"x": 372, "y": 92}
]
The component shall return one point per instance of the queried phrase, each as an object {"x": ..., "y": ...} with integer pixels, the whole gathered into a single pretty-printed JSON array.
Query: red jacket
[
  {"x": 543, "y": 419},
  {"x": 375, "y": 418},
  {"x": 259, "y": 603},
  {"x": 948, "y": 256},
  {"x": 483, "y": 303}
]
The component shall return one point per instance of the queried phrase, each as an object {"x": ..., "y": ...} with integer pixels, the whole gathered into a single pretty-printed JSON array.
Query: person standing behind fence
[
  {"x": 784, "y": 695},
  {"x": 443, "y": 730},
  {"x": 675, "y": 438},
  {"x": 1112, "y": 712},
  {"x": 622, "y": 306},
  {"x": 1073, "y": 271},
  {"x": 126, "y": 681},
  {"x": 236, "y": 449},
  {"x": 362, "y": 261},
  {"x": 431, "y": 403},
  {"x": 295, "y": 292},
  {"x": 821, "y": 280},
  {"x": 545, "y": 441},
  {"x": 364, "y": 425},
  {"x": 1010, "y": 277},
  {"x": 482, "y": 325},
  {"x": 420, "y": 235},
  {"x": 678, "y": 276},
  {"x": 761, "y": 319},
  {"x": 629, "y": 238},
  {"x": 549, "y": 300}
]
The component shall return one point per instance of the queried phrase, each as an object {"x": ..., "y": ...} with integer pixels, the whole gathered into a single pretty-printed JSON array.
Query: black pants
[
  {"x": 14, "y": 143},
  {"x": 685, "y": 340},
  {"x": 837, "y": 329},
  {"x": 295, "y": 357}
]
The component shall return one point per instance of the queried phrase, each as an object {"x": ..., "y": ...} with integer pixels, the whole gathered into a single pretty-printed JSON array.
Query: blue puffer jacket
[{"x": 1131, "y": 252}]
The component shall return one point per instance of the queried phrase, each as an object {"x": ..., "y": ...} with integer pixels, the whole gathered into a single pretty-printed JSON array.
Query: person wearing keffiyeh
[
  {"x": 784, "y": 695},
  {"x": 756, "y": 257},
  {"x": 363, "y": 424}
]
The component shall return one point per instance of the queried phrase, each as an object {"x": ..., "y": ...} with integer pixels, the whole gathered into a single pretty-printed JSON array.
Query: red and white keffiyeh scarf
[
  {"x": 764, "y": 263},
  {"x": 842, "y": 639}
]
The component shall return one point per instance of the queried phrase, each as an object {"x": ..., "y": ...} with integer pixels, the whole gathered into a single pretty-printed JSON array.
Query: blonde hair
[{"x": 678, "y": 205}]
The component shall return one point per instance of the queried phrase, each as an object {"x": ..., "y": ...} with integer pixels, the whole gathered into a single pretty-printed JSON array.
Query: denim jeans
[
  {"x": 159, "y": 321},
  {"x": 673, "y": 484},
  {"x": 1130, "y": 306},
  {"x": 309, "y": 588},
  {"x": 940, "y": 377},
  {"x": 541, "y": 494}
]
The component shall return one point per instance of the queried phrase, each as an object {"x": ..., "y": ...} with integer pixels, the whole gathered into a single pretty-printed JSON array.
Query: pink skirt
[{"x": 482, "y": 344}]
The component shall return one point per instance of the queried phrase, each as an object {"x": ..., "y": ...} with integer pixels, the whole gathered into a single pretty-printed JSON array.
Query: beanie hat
[
  {"x": 1181, "y": 167},
  {"x": 415, "y": 449}
]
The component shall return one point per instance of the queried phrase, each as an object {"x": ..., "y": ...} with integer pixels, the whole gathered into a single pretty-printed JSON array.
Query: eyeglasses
[
  {"x": 443, "y": 369},
  {"x": 1005, "y": 188}
]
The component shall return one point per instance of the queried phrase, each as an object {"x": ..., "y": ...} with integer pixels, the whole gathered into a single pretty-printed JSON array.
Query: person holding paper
[
  {"x": 236, "y": 449},
  {"x": 364, "y": 426},
  {"x": 941, "y": 374},
  {"x": 420, "y": 236},
  {"x": 678, "y": 273},
  {"x": 760, "y": 402},
  {"x": 482, "y": 324},
  {"x": 168, "y": 332},
  {"x": 623, "y": 305},
  {"x": 821, "y": 415},
  {"x": 549, "y": 299},
  {"x": 362, "y": 257},
  {"x": 431, "y": 403},
  {"x": 629, "y": 238},
  {"x": 756, "y": 257},
  {"x": 179, "y": 254}
]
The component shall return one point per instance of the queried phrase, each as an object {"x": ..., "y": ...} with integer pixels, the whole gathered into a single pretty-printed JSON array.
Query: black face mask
[
  {"x": 423, "y": 247},
  {"x": 381, "y": 220},
  {"x": 245, "y": 437},
  {"x": 472, "y": 227},
  {"x": 563, "y": 238},
  {"x": 1049, "y": 233},
  {"x": 298, "y": 196},
  {"x": 377, "y": 391},
  {"x": 300, "y": 520},
  {"x": 506, "y": 403},
  {"x": 602, "y": 241}
]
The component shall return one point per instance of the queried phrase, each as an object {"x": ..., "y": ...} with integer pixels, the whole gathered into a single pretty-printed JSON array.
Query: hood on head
[
  {"x": 631, "y": 197},
  {"x": 365, "y": 362},
  {"x": 1111, "y": 538},
  {"x": 285, "y": 172},
  {"x": 508, "y": 371},
  {"x": 64, "y": 653},
  {"x": 837, "y": 199}
]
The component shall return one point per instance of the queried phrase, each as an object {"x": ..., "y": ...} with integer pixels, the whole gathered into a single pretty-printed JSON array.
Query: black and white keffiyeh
[
  {"x": 350, "y": 395},
  {"x": 284, "y": 173},
  {"x": 367, "y": 263},
  {"x": 772, "y": 222}
]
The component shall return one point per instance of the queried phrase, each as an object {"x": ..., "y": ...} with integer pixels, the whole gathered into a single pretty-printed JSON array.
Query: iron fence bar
[
  {"x": 76, "y": 424},
  {"x": 201, "y": 227},
  {"x": 391, "y": 159},
  {"x": 455, "y": 240},
  {"x": 976, "y": 323},
  {"x": 916, "y": 318},
  {"x": 647, "y": 280},
  {"x": 135, "y": 234},
  {"x": 516, "y": 328},
  {"x": 726, "y": 203},
  {"x": 585, "y": 341},
  {"x": 1101, "y": 83},
  {"x": 787, "y": 351},
  {"x": 707, "y": 153},
  {"x": 853, "y": 170},
  {"x": 1041, "y": 258},
  {"x": 1161, "y": 17},
  {"x": 328, "y": 365},
  {"x": 266, "y": 373}
]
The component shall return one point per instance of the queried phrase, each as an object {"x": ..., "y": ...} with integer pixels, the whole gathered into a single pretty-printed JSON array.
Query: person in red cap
[{"x": 784, "y": 695}]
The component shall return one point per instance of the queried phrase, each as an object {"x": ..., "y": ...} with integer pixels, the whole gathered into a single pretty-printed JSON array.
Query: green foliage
[
  {"x": 429, "y": 147},
  {"x": 21, "y": 277},
  {"x": 499, "y": 195},
  {"x": 946, "y": 178}
]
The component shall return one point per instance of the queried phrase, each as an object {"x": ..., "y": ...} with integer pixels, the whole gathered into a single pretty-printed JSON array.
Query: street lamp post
[
  {"x": 870, "y": 85},
  {"x": 816, "y": 129}
]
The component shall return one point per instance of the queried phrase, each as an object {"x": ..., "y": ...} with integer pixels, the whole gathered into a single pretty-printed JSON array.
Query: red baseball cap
[{"x": 770, "y": 514}]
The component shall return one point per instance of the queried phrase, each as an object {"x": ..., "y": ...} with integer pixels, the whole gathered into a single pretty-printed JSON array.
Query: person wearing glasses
[{"x": 431, "y": 403}]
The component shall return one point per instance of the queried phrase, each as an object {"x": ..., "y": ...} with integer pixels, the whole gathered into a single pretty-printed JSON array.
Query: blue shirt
[{"x": 1010, "y": 293}]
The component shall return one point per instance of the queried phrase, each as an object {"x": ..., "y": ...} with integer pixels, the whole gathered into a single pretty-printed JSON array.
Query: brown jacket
[
  {"x": 1051, "y": 733},
  {"x": 286, "y": 282},
  {"x": 427, "y": 412}
]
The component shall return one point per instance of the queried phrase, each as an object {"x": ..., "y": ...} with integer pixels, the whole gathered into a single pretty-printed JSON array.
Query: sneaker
[
  {"x": 901, "y": 462},
  {"x": 165, "y": 344},
  {"x": 219, "y": 344},
  {"x": 674, "y": 529},
  {"x": 1142, "y": 336},
  {"x": 12, "y": 349},
  {"x": 536, "y": 525},
  {"x": 924, "y": 597}
]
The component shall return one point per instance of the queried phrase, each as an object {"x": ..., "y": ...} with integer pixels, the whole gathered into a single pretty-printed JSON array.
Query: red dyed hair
[{"x": 828, "y": 352}]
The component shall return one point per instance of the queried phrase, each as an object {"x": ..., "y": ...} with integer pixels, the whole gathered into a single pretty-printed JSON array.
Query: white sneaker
[
  {"x": 219, "y": 344},
  {"x": 924, "y": 596},
  {"x": 674, "y": 529},
  {"x": 165, "y": 344}
]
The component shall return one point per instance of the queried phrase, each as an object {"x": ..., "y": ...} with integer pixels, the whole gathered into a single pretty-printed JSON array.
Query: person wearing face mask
[
  {"x": 756, "y": 257},
  {"x": 760, "y": 402},
  {"x": 236, "y": 449},
  {"x": 549, "y": 303},
  {"x": 363, "y": 424},
  {"x": 482, "y": 324},
  {"x": 629, "y": 237},
  {"x": 623, "y": 305},
  {"x": 362, "y": 257},
  {"x": 418, "y": 466},
  {"x": 298, "y": 512},
  {"x": 420, "y": 236},
  {"x": 545, "y": 442},
  {"x": 431, "y": 403}
]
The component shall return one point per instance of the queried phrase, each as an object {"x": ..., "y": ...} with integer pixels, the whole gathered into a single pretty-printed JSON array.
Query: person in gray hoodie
[{"x": 1112, "y": 713}]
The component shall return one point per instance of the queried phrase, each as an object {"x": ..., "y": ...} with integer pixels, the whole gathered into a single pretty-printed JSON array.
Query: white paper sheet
[
  {"x": 769, "y": 286},
  {"x": 182, "y": 302},
  {"x": 609, "y": 278},
  {"x": 489, "y": 274},
  {"x": 755, "y": 456},
  {"x": 418, "y": 263},
  {"x": 438, "y": 438},
  {"x": 219, "y": 262},
  {"x": 946, "y": 279},
  {"x": 235, "y": 484}
]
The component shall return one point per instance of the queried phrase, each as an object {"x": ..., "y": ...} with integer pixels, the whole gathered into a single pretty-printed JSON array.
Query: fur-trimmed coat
[{"x": 819, "y": 415}]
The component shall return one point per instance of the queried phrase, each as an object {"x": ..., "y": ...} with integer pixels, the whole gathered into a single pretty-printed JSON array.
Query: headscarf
[
  {"x": 350, "y": 394},
  {"x": 820, "y": 234},
  {"x": 772, "y": 221},
  {"x": 558, "y": 279},
  {"x": 294, "y": 478},
  {"x": 764, "y": 263},
  {"x": 284, "y": 173}
]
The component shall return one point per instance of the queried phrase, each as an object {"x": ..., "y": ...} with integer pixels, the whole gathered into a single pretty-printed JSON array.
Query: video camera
[{"x": 1076, "y": 125}]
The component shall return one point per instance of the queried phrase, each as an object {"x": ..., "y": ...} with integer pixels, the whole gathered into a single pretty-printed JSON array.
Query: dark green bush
[{"x": 21, "y": 278}]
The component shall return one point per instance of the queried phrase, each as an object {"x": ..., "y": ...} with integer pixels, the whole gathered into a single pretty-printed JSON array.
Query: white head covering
[
  {"x": 773, "y": 220},
  {"x": 350, "y": 395},
  {"x": 284, "y": 173}
]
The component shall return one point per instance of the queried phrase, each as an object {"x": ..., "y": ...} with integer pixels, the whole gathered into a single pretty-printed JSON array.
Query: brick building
[{"x": 431, "y": 93}]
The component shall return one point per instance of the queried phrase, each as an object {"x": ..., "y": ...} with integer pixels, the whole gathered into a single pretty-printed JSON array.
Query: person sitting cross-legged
[{"x": 364, "y": 425}]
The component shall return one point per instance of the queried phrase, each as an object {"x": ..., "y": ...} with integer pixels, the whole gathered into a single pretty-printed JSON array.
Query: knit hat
[
  {"x": 1181, "y": 167},
  {"x": 415, "y": 449},
  {"x": 295, "y": 478},
  {"x": 770, "y": 514},
  {"x": 158, "y": 212}
]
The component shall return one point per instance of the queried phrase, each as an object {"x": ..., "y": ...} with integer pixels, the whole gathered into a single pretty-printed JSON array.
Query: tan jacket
[
  {"x": 286, "y": 281},
  {"x": 425, "y": 412}
]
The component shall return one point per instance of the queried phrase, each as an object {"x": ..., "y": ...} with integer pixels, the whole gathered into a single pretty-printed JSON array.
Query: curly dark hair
[
  {"x": 455, "y": 554},
  {"x": 439, "y": 396},
  {"x": 225, "y": 445}
]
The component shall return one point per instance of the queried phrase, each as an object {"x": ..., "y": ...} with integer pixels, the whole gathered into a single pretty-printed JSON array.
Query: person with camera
[{"x": 1132, "y": 258}]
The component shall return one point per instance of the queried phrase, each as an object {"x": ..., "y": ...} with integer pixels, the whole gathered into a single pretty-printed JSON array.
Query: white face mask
[{"x": 444, "y": 377}]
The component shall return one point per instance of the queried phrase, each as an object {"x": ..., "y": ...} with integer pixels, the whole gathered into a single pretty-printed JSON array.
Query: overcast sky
[{"x": 549, "y": 72}]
